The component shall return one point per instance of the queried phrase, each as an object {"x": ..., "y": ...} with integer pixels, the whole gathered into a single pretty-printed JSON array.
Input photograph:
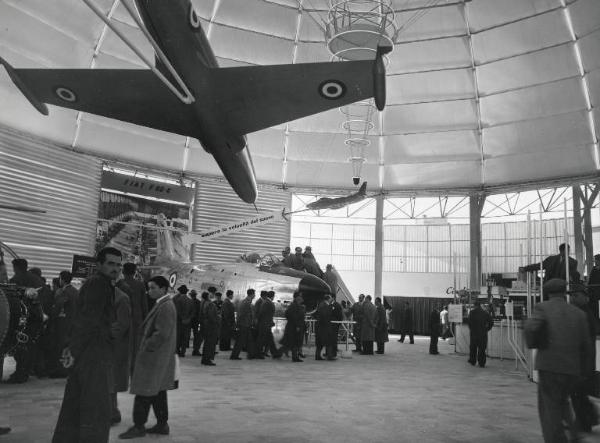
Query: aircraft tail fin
[
  {"x": 363, "y": 189},
  {"x": 169, "y": 244}
]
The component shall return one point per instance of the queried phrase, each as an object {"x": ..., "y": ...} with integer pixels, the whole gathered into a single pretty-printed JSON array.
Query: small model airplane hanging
[
  {"x": 185, "y": 92},
  {"x": 339, "y": 202}
]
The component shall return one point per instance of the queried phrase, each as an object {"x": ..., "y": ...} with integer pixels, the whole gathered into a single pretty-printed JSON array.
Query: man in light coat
[
  {"x": 560, "y": 333},
  {"x": 154, "y": 371},
  {"x": 367, "y": 330}
]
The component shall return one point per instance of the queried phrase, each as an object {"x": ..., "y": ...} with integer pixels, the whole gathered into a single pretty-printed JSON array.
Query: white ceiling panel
[
  {"x": 532, "y": 107},
  {"x": 533, "y": 102}
]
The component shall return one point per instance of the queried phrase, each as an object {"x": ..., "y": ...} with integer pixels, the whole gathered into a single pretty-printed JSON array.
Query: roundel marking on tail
[{"x": 173, "y": 279}]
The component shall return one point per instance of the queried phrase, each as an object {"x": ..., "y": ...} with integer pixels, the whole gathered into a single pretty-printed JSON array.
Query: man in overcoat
[
  {"x": 245, "y": 322},
  {"x": 367, "y": 331},
  {"x": 293, "y": 334},
  {"x": 154, "y": 372},
  {"x": 336, "y": 315},
  {"x": 86, "y": 408},
  {"x": 227, "y": 321},
  {"x": 120, "y": 333},
  {"x": 136, "y": 290},
  {"x": 381, "y": 326},
  {"x": 480, "y": 322},
  {"x": 323, "y": 328}
]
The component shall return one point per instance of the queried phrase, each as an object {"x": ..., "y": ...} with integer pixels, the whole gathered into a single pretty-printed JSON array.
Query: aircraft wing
[
  {"x": 131, "y": 95},
  {"x": 252, "y": 98}
]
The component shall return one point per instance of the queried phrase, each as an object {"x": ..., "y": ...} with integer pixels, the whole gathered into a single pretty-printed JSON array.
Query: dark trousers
[
  {"x": 357, "y": 342},
  {"x": 245, "y": 340},
  {"x": 86, "y": 407},
  {"x": 433, "y": 344},
  {"x": 335, "y": 329},
  {"x": 141, "y": 409},
  {"x": 477, "y": 347},
  {"x": 23, "y": 356},
  {"x": 410, "y": 335},
  {"x": 585, "y": 412},
  {"x": 183, "y": 337},
  {"x": 380, "y": 347},
  {"x": 225, "y": 342},
  {"x": 367, "y": 347},
  {"x": 210, "y": 346},
  {"x": 553, "y": 392},
  {"x": 266, "y": 341},
  {"x": 197, "y": 337}
]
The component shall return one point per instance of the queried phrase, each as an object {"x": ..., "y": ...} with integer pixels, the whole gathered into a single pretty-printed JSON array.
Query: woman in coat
[
  {"x": 367, "y": 330},
  {"x": 293, "y": 334},
  {"x": 154, "y": 371},
  {"x": 381, "y": 326}
]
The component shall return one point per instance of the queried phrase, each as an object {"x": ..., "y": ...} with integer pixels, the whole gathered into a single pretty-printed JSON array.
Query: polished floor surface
[{"x": 405, "y": 395}]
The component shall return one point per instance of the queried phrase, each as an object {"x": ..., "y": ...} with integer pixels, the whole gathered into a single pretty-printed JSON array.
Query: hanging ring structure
[{"x": 188, "y": 98}]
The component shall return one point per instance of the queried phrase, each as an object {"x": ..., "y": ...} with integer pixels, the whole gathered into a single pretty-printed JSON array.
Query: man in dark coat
[
  {"x": 554, "y": 266},
  {"x": 323, "y": 328},
  {"x": 585, "y": 411},
  {"x": 61, "y": 320},
  {"x": 336, "y": 315},
  {"x": 293, "y": 334},
  {"x": 245, "y": 321},
  {"x": 434, "y": 331},
  {"x": 367, "y": 331},
  {"x": 86, "y": 408},
  {"x": 209, "y": 324},
  {"x": 120, "y": 332},
  {"x": 265, "y": 324},
  {"x": 560, "y": 333},
  {"x": 185, "y": 311},
  {"x": 195, "y": 323},
  {"x": 357, "y": 316},
  {"x": 480, "y": 322},
  {"x": 381, "y": 326},
  {"x": 227, "y": 321},
  {"x": 43, "y": 348},
  {"x": 594, "y": 285},
  {"x": 136, "y": 290},
  {"x": 331, "y": 279},
  {"x": 406, "y": 325},
  {"x": 295, "y": 261},
  {"x": 25, "y": 353}
]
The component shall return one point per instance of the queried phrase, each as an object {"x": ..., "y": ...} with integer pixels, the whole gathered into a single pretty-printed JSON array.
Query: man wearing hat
[
  {"x": 559, "y": 331},
  {"x": 185, "y": 311}
]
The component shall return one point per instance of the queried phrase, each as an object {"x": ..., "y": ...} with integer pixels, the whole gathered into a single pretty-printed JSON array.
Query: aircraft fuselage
[{"x": 176, "y": 28}]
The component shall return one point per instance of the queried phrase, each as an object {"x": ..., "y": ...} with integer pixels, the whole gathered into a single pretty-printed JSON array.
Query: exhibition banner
[
  {"x": 219, "y": 231},
  {"x": 455, "y": 313},
  {"x": 142, "y": 229},
  {"x": 83, "y": 266},
  {"x": 145, "y": 187}
]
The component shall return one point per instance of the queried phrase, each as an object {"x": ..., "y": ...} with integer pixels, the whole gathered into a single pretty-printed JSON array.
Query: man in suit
[
  {"x": 265, "y": 324},
  {"x": 560, "y": 333},
  {"x": 322, "y": 316},
  {"x": 245, "y": 321},
  {"x": 154, "y": 371},
  {"x": 554, "y": 266},
  {"x": 594, "y": 285},
  {"x": 406, "y": 327},
  {"x": 195, "y": 323},
  {"x": 227, "y": 321},
  {"x": 86, "y": 408},
  {"x": 381, "y": 326},
  {"x": 336, "y": 315},
  {"x": 185, "y": 311},
  {"x": 209, "y": 323},
  {"x": 480, "y": 322},
  {"x": 293, "y": 334},
  {"x": 357, "y": 316},
  {"x": 434, "y": 331},
  {"x": 136, "y": 290}
]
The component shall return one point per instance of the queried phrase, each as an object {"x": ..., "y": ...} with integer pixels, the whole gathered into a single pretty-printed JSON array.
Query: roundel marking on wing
[
  {"x": 194, "y": 20},
  {"x": 173, "y": 279},
  {"x": 65, "y": 94},
  {"x": 332, "y": 89}
]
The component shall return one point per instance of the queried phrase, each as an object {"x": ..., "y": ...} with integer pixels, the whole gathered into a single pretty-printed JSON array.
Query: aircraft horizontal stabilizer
[{"x": 35, "y": 102}]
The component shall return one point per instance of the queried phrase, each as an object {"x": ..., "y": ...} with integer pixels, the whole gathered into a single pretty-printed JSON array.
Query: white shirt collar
[{"x": 159, "y": 299}]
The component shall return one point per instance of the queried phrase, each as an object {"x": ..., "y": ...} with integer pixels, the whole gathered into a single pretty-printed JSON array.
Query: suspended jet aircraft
[
  {"x": 339, "y": 202},
  {"x": 218, "y": 106}
]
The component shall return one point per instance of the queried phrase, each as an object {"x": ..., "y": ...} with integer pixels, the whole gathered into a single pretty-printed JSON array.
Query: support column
[
  {"x": 578, "y": 198},
  {"x": 582, "y": 224},
  {"x": 476, "y": 202},
  {"x": 379, "y": 200}
]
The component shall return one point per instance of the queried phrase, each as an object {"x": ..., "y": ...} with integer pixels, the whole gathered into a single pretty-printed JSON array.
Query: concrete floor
[{"x": 405, "y": 395}]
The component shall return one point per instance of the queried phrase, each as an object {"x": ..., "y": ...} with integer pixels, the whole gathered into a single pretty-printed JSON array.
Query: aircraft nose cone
[{"x": 313, "y": 284}]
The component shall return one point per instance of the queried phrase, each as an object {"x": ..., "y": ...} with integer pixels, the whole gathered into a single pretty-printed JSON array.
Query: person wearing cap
[
  {"x": 331, "y": 279},
  {"x": 559, "y": 332},
  {"x": 227, "y": 321},
  {"x": 585, "y": 412},
  {"x": 554, "y": 266},
  {"x": 195, "y": 324},
  {"x": 310, "y": 263},
  {"x": 295, "y": 261},
  {"x": 185, "y": 310},
  {"x": 480, "y": 322}
]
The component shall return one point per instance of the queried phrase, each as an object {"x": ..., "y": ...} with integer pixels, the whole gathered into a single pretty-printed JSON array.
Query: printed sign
[
  {"x": 509, "y": 309},
  {"x": 219, "y": 231},
  {"x": 455, "y": 313},
  {"x": 83, "y": 266}
]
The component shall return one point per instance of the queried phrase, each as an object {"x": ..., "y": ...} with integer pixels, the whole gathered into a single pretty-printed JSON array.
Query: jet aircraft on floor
[
  {"x": 339, "y": 202},
  {"x": 218, "y": 106}
]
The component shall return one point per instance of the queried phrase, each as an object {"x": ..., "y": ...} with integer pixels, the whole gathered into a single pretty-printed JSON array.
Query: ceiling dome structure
[{"x": 481, "y": 94}]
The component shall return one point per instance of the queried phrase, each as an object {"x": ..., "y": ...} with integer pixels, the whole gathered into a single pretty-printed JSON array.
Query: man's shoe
[
  {"x": 319, "y": 358},
  {"x": 4, "y": 431},
  {"x": 161, "y": 429},
  {"x": 133, "y": 432},
  {"x": 115, "y": 420},
  {"x": 16, "y": 380},
  {"x": 378, "y": 352},
  {"x": 196, "y": 354},
  {"x": 297, "y": 360},
  {"x": 208, "y": 363},
  {"x": 301, "y": 355},
  {"x": 235, "y": 358},
  {"x": 276, "y": 356},
  {"x": 472, "y": 363}
]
